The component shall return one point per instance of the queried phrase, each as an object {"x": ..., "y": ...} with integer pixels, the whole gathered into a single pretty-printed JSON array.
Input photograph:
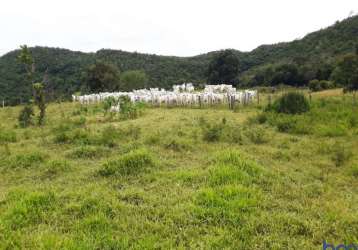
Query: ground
[{"x": 181, "y": 178}]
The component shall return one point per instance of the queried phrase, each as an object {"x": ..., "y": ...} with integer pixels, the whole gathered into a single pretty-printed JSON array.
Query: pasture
[{"x": 181, "y": 178}]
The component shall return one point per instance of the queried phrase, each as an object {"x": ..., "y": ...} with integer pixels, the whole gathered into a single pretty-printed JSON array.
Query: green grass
[{"x": 181, "y": 178}]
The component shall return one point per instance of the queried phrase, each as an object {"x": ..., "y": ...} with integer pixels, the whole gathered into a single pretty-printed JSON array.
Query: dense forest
[{"x": 294, "y": 63}]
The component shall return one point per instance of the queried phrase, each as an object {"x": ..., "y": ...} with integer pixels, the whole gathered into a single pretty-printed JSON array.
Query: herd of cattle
[{"x": 182, "y": 95}]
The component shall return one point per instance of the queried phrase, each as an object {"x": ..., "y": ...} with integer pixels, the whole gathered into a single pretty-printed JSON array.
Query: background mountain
[{"x": 296, "y": 62}]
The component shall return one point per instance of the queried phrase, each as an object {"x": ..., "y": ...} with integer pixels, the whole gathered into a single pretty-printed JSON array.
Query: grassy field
[{"x": 181, "y": 178}]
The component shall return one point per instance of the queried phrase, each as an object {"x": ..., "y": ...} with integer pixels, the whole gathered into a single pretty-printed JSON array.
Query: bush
[
  {"x": 27, "y": 208},
  {"x": 291, "y": 103},
  {"x": 108, "y": 103},
  {"x": 354, "y": 171},
  {"x": 25, "y": 116},
  {"x": 212, "y": 132},
  {"x": 128, "y": 109},
  {"x": 178, "y": 144},
  {"x": 88, "y": 152},
  {"x": 314, "y": 85},
  {"x": 129, "y": 164},
  {"x": 55, "y": 167},
  {"x": 7, "y": 136},
  {"x": 341, "y": 155},
  {"x": 108, "y": 137},
  {"x": 26, "y": 160},
  {"x": 286, "y": 124},
  {"x": 257, "y": 135}
]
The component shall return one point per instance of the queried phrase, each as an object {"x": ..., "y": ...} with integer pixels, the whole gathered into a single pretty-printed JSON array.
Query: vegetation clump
[
  {"x": 25, "y": 116},
  {"x": 131, "y": 163},
  {"x": 291, "y": 103}
]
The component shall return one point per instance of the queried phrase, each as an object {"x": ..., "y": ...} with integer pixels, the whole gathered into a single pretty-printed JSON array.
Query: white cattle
[{"x": 181, "y": 95}]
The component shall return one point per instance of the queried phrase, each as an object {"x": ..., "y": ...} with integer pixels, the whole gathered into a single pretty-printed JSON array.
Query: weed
[
  {"x": 55, "y": 167},
  {"x": 7, "y": 136},
  {"x": 341, "y": 155},
  {"x": 132, "y": 163},
  {"x": 25, "y": 160},
  {"x": 257, "y": 135},
  {"x": 88, "y": 152}
]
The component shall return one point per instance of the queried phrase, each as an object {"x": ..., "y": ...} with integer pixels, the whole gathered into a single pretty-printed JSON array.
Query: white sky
[{"x": 166, "y": 27}]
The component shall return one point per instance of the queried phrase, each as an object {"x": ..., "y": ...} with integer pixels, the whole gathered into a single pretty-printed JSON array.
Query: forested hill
[{"x": 65, "y": 68}]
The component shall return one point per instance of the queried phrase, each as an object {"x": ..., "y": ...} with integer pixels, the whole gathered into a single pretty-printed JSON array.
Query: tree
[
  {"x": 224, "y": 68},
  {"x": 40, "y": 101},
  {"x": 346, "y": 73},
  {"x": 25, "y": 116},
  {"x": 133, "y": 79},
  {"x": 101, "y": 77},
  {"x": 25, "y": 57}
]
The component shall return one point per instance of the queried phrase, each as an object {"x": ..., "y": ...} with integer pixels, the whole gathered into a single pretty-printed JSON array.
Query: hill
[{"x": 64, "y": 67}]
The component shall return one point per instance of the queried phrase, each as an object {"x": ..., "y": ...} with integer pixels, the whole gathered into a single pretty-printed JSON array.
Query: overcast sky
[{"x": 166, "y": 27}]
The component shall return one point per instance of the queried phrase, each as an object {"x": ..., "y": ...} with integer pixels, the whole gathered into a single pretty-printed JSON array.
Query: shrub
[
  {"x": 27, "y": 160},
  {"x": 27, "y": 208},
  {"x": 108, "y": 137},
  {"x": 314, "y": 85},
  {"x": 128, "y": 109},
  {"x": 79, "y": 122},
  {"x": 226, "y": 205},
  {"x": 108, "y": 103},
  {"x": 332, "y": 130},
  {"x": 211, "y": 132},
  {"x": 341, "y": 155},
  {"x": 55, "y": 167},
  {"x": 354, "y": 171},
  {"x": 129, "y": 164},
  {"x": 89, "y": 152},
  {"x": 133, "y": 132},
  {"x": 40, "y": 101},
  {"x": 7, "y": 136},
  {"x": 291, "y": 103},
  {"x": 25, "y": 116},
  {"x": 257, "y": 135},
  {"x": 153, "y": 139},
  {"x": 178, "y": 144}
]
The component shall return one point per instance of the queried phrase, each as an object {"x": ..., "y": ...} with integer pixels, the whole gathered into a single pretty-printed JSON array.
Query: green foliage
[
  {"x": 25, "y": 160},
  {"x": 354, "y": 171},
  {"x": 40, "y": 101},
  {"x": 318, "y": 85},
  {"x": 130, "y": 110},
  {"x": 212, "y": 132},
  {"x": 25, "y": 116},
  {"x": 346, "y": 72},
  {"x": 56, "y": 167},
  {"x": 133, "y": 79},
  {"x": 101, "y": 77},
  {"x": 108, "y": 103},
  {"x": 178, "y": 144},
  {"x": 224, "y": 68},
  {"x": 132, "y": 163},
  {"x": 291, "y": 103},
  {"x": 27, "y": 208},
  {"x": 257, "y": 135},
  {"x": 313, "y": 57},
  {"x": 7, "y": 136},
  {"x": 25, "y": 57},
  {"x": 341, "y": 155},
  {"x": 88, "y": 152},
  {"x": 227, "y": 204}
]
